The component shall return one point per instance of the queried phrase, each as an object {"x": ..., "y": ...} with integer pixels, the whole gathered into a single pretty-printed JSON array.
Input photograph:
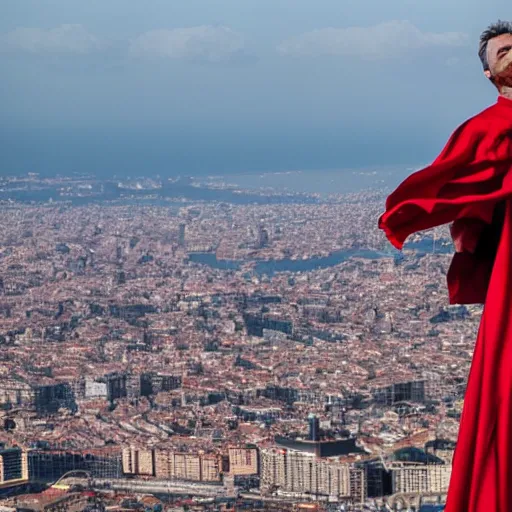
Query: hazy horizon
[{"x": 196, "y": 88}]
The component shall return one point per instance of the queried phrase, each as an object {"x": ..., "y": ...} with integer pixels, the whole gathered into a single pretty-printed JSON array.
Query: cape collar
[{"x": 504, "y": 102}]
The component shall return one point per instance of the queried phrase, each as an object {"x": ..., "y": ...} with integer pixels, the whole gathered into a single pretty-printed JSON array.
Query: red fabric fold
[{"x": 471, "y": 179}]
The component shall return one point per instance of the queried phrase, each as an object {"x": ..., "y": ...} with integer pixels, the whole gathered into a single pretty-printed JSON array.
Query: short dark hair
[{"x": 496, "y": 29}]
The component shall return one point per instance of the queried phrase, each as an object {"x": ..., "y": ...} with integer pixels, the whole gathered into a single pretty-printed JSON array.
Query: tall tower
[
  {"x": 314, "y": 428},
  {"x": 262, "y": 237},
  {"x": 181, "y": 235}
]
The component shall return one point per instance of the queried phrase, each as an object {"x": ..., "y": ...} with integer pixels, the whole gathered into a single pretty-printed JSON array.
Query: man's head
[{"x": 495, "y": 50}]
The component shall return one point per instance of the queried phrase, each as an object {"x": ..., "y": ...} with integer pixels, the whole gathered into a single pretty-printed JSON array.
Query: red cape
[{"x": 471, "y": 183}]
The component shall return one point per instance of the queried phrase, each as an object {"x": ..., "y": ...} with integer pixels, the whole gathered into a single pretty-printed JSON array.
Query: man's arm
[
  {"x": 418, "y": 203},
  {"x": 466, "y": 234}
]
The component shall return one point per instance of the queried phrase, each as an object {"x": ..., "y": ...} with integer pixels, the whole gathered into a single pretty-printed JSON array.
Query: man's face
[{"x": 499, "y": 57}]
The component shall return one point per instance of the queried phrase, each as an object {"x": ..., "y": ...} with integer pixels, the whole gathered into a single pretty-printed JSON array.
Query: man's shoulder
[
  {"x": 491, "y": 112},
  {"x": 483, "y": 121}
]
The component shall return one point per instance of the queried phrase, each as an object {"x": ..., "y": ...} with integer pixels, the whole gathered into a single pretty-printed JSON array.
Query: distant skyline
[{"x": 194, "y": 87}]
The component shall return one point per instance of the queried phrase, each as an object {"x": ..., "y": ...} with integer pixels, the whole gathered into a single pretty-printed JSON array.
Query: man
[{"x": 470, "y": 185}]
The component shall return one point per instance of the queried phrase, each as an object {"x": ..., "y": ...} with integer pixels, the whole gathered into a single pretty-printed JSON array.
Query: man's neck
[{"x": 506, "y": 92}]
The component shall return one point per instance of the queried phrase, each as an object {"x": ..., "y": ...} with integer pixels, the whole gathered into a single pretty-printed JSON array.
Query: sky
[{"x": 196, "y": 87}]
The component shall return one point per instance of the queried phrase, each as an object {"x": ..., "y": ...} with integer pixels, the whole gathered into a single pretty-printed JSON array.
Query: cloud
[
  {"x": 379, "y": 41},
  {"x": 66, "y": 39},
  {"x": 206, "y": 43}
]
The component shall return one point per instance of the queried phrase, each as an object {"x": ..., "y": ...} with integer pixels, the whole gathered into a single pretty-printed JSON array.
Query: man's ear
[{"x": 488, "y": 74}]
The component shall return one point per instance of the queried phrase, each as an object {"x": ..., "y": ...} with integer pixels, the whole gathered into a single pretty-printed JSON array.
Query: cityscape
[
  {"x": 220, "y": 285},
  {"x": 191, "y": 344}
]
